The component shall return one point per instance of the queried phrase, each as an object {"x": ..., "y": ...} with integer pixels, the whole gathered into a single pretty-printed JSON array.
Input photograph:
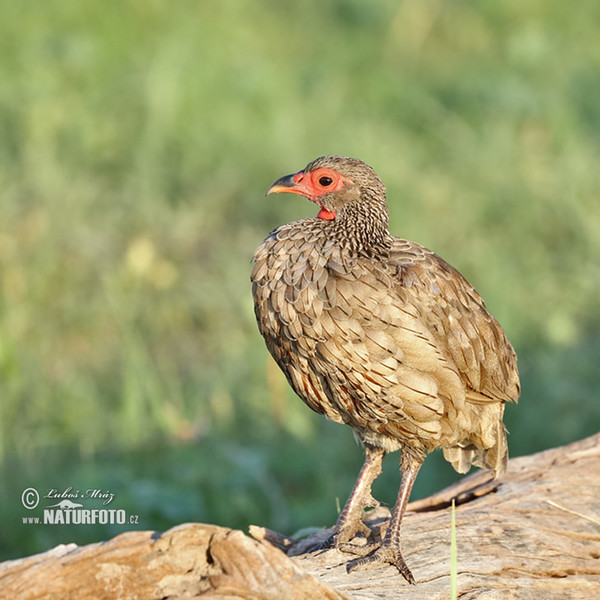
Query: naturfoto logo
[{"x": 69, "y": 507}]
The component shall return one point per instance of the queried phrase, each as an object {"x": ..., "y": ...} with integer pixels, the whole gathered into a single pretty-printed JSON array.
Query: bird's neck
[{"x": 363, "y": 228}]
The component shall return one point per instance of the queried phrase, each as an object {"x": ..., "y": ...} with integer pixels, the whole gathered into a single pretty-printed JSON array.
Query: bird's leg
[
  {"x": 389, "y": 552},
  {"x": 350, "y": 522}
]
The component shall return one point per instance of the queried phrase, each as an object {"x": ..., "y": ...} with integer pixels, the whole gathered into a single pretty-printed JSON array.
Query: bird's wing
[{"x": 456, "y": 316}]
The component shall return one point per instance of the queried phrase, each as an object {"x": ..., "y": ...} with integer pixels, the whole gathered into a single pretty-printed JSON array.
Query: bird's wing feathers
[{"x": 455, "y": 315}]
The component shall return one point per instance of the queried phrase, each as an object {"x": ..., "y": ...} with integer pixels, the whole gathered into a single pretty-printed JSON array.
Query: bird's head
[{"x": 339, "y": 185}]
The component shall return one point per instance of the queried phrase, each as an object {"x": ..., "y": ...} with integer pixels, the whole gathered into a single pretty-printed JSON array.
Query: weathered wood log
[
  {"x": 533, "y": 534},
  {"x": 188, "y": 561}
]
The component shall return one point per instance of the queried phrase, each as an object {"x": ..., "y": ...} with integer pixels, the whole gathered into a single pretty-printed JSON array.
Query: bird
[{"x": 381, "y": 334}]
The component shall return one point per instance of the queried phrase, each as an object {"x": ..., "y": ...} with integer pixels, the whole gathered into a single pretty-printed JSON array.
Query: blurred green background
[{"x": 137, "y": 139}]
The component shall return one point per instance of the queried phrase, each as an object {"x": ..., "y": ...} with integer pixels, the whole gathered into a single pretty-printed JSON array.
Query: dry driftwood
[{"x": 534, "y": 534}]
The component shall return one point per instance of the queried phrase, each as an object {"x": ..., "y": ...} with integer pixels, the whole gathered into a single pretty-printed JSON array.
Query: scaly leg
[
  {"x": 350, "y": 522},
  {"x": 389, "y": 552}
]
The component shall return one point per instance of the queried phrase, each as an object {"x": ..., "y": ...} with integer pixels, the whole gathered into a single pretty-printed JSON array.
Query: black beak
[{"x": 283, "y": 184}]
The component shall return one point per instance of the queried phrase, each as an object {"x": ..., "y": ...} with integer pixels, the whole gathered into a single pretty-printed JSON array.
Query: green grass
[
  {"x": 137, "y": 141},
  {"x": 453, "y": 556}
]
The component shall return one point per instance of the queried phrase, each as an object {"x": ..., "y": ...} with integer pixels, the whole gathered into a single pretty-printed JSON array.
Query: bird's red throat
[{"x": 326, "y": 215}]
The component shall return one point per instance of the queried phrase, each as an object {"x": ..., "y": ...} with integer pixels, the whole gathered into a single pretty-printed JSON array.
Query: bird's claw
[
  {"x": 356, "y": 549},
  {"x": 340, "y": 538},
  {"x": 384, "y": 555},
  {"x": 348, "y": 533}
]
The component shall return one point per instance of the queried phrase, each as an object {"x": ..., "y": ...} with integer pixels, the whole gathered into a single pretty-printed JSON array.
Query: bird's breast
[{"x": 349, "y": 342}]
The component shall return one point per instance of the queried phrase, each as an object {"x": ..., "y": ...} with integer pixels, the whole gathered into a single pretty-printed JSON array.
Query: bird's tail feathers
[{"x": 494, "y": 458}]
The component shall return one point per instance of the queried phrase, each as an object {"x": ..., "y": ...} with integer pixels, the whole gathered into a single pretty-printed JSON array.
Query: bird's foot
[
  {"x": 386, "y": 554},
  {"x": 348, "y": 527},
  {"x": 341, "y": 536},
  {"x": 358, "y": 549},
  {"x": 344, "y": 534}
]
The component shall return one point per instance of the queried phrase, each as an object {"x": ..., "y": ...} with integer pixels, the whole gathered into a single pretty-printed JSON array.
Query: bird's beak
[{"x": 289, "y": 183}]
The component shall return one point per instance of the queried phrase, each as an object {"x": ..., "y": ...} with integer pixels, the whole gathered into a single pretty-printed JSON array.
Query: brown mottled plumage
[{"x": 381, "y": 334}]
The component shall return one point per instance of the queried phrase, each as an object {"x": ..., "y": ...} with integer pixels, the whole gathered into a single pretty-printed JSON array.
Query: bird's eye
[{"x": 325, "y": 181}]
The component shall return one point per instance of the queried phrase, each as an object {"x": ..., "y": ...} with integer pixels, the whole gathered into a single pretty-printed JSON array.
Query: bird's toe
[
  {"x": 341, "y": 537},
  {"x": 357, "y": 549},
  {"x": 384, "y": 555}
]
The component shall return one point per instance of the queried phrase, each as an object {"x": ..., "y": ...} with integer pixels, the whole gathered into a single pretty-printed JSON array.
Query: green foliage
[{"x": 137, "y": 140}]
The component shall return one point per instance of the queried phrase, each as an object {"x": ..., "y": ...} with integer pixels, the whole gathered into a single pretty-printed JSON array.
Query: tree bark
[{"x": 532, "y": 534}]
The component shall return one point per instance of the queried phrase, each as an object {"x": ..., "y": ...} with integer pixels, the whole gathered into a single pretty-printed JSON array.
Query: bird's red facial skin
[
  {"x": 314, "y": 184},
  {"x": 322, "y": 181}
]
